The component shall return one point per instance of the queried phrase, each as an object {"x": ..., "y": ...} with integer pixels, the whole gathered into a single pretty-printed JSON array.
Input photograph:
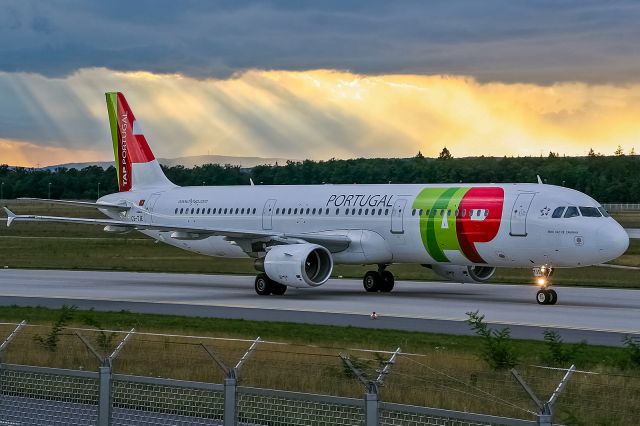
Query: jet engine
[
  {"x": 464, "y": 274},
  {"x": 298, "y": 265}
]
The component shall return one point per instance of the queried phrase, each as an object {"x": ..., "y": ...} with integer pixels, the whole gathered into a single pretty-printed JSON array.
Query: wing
[
  {"x": 107, "y": 206},
  {"x": 332, "y": 242}
]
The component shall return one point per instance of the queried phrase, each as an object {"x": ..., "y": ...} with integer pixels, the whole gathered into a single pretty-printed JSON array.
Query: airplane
[{"x": 297, "y": 233}]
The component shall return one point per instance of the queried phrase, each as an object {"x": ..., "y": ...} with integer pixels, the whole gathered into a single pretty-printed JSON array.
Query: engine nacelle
[
  {"x": 298, "y": 265},
  {"x": 464, "y": 274}
]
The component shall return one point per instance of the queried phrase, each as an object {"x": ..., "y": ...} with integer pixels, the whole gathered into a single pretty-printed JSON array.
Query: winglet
[
  {"x": 10, "y": 216},
  {"x": 539, "y": 180},
  {"x": 251, "y": 180}
]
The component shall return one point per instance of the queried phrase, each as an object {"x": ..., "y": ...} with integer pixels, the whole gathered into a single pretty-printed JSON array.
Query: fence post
[
  {"x": 105, "y": 388},
  {"x": 545, "y": 413},
  {"x": 104, "y": 400},
  {"x": 230, "y": 413},
  {"x": 372, "y": 396},
  {"x": 231, "y": 381},
  {"x": 371, "y": 402}
]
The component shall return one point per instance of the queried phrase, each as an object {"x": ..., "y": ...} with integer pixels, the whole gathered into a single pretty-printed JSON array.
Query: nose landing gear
[{"x": 545, "y": 296}]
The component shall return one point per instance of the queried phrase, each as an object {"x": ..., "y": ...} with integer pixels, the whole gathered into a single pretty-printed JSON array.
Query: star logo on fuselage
[{"x": 545, "y": 211}]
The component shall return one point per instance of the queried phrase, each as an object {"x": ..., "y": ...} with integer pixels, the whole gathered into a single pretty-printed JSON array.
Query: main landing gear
[
  {"x": 545, "y": 296},
  {"x": 266, "y": 286},
  {"x": 380, "y": 280}
]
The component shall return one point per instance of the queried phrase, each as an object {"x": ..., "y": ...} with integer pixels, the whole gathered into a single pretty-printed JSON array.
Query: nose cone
[{"x": 613, "y": 241}]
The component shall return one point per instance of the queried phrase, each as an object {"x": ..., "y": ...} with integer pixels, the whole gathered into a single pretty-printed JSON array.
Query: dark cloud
[{"x": 542, "y": 41}]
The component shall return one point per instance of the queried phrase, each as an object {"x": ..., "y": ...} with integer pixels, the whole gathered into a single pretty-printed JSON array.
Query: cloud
[
  {"x": 313, "y": 114},
  {"x": 499, "y": 40}
]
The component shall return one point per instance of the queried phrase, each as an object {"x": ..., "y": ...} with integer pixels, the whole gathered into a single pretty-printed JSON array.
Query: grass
[
  {"x": 445, "y": 371},
  {"x": 71, "y": 246}
]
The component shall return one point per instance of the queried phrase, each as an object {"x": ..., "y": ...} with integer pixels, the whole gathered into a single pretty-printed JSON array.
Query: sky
[{"x": 320, "y": 80}]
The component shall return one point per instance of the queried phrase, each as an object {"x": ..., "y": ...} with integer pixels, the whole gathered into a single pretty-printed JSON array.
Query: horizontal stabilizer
[
  {"x": 10, "y": 216},
  {"x": 74, "y": 203}
]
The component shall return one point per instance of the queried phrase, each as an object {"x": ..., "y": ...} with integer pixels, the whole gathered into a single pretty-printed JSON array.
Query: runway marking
[{"x": 507, "y": 323}]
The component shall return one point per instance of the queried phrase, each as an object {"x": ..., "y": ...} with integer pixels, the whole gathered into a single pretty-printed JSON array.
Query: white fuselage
[{"x": 393, "y": 223}]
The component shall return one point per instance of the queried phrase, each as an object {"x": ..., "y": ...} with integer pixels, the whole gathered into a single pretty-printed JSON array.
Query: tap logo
[{"x": 456, "y": 219}]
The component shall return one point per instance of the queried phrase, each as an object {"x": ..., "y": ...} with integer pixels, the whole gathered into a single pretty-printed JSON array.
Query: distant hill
[{"x": 188, "y": 162}]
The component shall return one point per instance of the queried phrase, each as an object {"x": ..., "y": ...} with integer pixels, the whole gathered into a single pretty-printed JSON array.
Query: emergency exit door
[{"x": 267, "y": 214}]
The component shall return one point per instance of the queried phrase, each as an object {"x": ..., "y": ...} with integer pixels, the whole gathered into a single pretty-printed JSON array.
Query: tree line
[{"x": 606, "y": 178}]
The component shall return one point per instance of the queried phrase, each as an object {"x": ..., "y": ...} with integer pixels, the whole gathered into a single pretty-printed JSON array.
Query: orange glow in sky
[{"x": 322, "y": 114}]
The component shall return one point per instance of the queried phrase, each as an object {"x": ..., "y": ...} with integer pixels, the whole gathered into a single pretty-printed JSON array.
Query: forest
[{"x": 606, "y": 178}]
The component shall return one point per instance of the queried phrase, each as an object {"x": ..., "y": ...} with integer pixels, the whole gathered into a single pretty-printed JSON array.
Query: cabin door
[
  {"x": 397, "y": 214},
  {"x": 519, "y": 214}
]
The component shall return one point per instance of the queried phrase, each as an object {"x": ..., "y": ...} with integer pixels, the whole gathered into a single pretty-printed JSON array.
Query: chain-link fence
[
  {"x": 89, "y": 376},
  {"x": 621, "y": 207}
]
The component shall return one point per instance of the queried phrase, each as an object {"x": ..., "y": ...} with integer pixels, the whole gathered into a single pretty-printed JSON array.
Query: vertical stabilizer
[{"x": 136, "y": 166}]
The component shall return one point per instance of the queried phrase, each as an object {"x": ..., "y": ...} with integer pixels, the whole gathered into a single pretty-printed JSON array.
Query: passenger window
[
  {"x": 346, "y": 212},
  {"x": 176, "y": 212},
  {"x": 571, "y": 212},
  {"x": 209, "y": 210},
  {"x": 327, "y": 211},
  {"x": 337, "y": 212},
  {"x": 386, "y": 212},
  {"x": 254, "y": 210},
  {"x": 486, "y": 212},
  {"x": 359, "y": 211},
  {"x": 557, "y": 212},
  {"x": 181, "y": 210},
  {"x": 426, "y": 213},
  {"x": 192, "y": 211},
  {"x": 413, "y": 212},
  {"x": 307, "y": 210},
  {"x": 589, "y": 212},
  {"x": 464, "y": 212},
  {"x": 379, "y": 212},
  {"x": 277, "y": 211},
  {"x": 313, "y": 211},
  {"x": 353, "y": 212},
  {"x": 366, "y": 212}
]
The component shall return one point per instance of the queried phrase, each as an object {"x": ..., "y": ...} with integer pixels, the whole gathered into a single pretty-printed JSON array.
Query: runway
[{"x": 600, "y": 316}]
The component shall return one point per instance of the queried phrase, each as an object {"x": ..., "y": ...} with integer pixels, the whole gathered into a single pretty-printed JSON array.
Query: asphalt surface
[{"x": 599, "y": 316}]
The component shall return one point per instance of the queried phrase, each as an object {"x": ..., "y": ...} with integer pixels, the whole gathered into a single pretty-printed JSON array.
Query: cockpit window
[
  {"x": 571, "y": 212},
  {"x": 589, "y": 212},
  {"x": 603, "y": 211},
  {"x": 557, "y": 212}
]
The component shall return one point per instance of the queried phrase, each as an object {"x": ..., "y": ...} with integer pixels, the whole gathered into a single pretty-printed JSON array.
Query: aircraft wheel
[
  {"x": 387, "y": 281},
  {"x": 278, "y": 289},
  {"x": 371, "y": 281},
  {"x": 543, "y": 297},
  {"x": 263, "y": 285},
  {"x": 553, "y": 297}
]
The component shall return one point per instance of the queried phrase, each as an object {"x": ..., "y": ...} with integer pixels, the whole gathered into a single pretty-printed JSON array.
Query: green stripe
[
  {"x": 435, "y": 238},
  {"x": 112, "y": 108}
]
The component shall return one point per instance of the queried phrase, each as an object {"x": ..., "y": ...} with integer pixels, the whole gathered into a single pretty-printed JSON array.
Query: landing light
[{"x": 541, "y": 282}]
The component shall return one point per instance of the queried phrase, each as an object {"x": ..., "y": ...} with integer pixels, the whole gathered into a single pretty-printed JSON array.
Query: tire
[
  {"x": 371, "y": 281},
  {"x": 553, "y": 297},
  {"x": 387, "y": 281},
  {"x": 278, "y": 289},
  {"x": 263, "y": 285},
  {"x": 543, "y": 297}
]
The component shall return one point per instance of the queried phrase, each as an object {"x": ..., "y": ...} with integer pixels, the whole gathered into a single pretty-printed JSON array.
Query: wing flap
[{"x": 75, "y": 203}]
